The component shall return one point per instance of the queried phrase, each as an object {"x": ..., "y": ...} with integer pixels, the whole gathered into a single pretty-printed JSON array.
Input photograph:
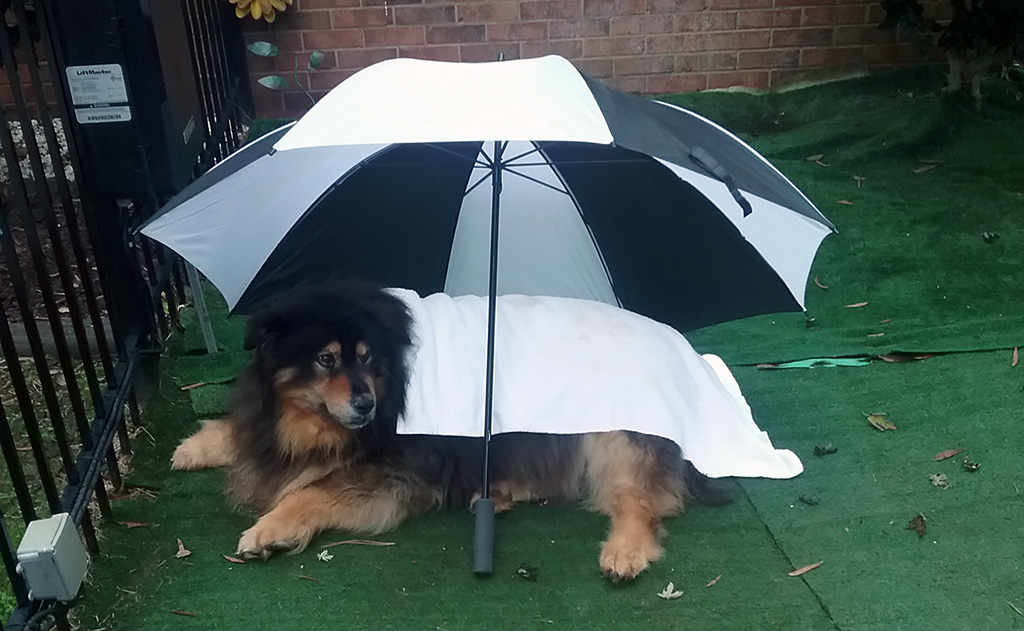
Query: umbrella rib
[
  {"x": 482, "y": 179},
  {"x": 432, "y": 145},
  {"x": 535, "y": 180}
]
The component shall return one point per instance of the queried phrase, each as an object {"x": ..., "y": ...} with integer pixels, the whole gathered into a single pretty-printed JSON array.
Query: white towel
[{"x": 566, "y": 366}]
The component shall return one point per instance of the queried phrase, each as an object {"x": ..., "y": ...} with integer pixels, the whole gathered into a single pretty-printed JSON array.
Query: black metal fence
[{"x": 84, "y": 301}]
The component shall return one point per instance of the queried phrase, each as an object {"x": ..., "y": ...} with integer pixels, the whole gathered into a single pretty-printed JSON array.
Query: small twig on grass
[
  {"x": 359, "y": 542},
  {"x": 1019, "y": 612},
  {"x": 309, "y": 578}
]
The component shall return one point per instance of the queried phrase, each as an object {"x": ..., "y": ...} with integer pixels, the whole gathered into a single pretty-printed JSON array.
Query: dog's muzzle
[{"x": 358, "y": 413}]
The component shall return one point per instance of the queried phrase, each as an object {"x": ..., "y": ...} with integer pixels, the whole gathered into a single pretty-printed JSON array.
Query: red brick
[
  {"x": 738, "y": 40},
  {"x": 867, "y": 34},
  {"x": 597, "y": 68},
  {"x": 799, "y": 37},
  {"x": 635, "y": 85},
  {"x": 757, "y": 79},
  {"x": 833, "y": 16},
  {"x": 613, "y": 46},
  {"x": 608, "y": 8},
  {"x": 391, "y": 3},
  {"x": 739, "y": 4},
  {"x": 437, "y": 14},
  {"x": 355, "y": 18},
  {"x": 308, "y": 20},
  {"x": 675, "y": 6},
  {"x": 444, "y": 52},
  {"x": 395, "y": 36},
  {"x": 459, "y": 34},
  {"x": 579, "y": 27},
  {"x": 306, "y": 5},
  {"x": 329, "y": 40},
  {"x": 706, "y": 21},
  {"x": 819, "y": 57},
  {"x": 803, "y": 3},
  {"x": 487, "y": 12},
  {"x": 705, "y": 62},
  {"x": 676, "y": 83},
  {"x": 266, "y": 101},
  {"x": 488, "y": 52},
  {"x": 768, "y": 59},
  {"x": 570, "y": 49},
  {"x": 326, "y": 81},
  {"x": 517, "y": 31},
  {"x": 768, "y": 18},
  {"x": 364, "y": 57},
  {"x": 641, "y": 24},
  {"x": 676, "y": 43},
  {"x": 646, "y": 64},
  {"x": 550, "y": 9},
  {"x": 298, "y": 103}
]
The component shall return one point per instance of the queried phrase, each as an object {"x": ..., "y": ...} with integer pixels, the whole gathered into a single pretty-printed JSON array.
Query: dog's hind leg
[
  {"x": 212, "y": 446},
  {"x": 629, "y": 483}
]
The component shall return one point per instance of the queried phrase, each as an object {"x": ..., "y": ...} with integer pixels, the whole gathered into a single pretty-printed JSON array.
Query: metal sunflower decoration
[{"x": 266, "y": 9}]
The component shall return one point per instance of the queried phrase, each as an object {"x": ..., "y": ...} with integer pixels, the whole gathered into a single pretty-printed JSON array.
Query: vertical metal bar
[
  {"x": 11, "y": 563},
  {"x": 13, "y": 462},
  {"x": 199, "y": 301}
]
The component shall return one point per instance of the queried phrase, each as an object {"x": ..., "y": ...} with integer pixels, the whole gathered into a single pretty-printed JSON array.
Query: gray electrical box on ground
[{"x": 52, "y": 559}]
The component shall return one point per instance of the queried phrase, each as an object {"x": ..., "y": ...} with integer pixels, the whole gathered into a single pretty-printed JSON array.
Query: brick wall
[{"x": 642, "y": 46}]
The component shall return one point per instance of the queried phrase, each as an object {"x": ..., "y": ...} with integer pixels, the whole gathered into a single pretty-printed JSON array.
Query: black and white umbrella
[{"x": 399, "y": 175}]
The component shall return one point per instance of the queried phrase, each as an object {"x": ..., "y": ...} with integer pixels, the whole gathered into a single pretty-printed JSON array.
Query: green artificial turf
[{"x": 910, "y": 246}]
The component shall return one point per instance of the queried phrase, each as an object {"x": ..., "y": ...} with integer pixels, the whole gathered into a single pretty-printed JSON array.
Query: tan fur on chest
[{"x": 301, "y": 432}]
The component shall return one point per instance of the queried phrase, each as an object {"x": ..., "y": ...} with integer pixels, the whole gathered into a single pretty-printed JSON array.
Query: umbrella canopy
[{"x": 604, "y": 196}]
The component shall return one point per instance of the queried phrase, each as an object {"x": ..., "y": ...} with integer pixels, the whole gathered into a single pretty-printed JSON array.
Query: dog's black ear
[{"x": 262, "y": 328}]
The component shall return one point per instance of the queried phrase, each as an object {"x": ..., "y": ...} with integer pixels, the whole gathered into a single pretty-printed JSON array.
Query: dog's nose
[{"x": 362, "y": 403}]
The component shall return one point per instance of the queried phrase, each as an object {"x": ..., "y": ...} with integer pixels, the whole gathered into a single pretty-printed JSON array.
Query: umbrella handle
[{"x": 483, "y": 536}]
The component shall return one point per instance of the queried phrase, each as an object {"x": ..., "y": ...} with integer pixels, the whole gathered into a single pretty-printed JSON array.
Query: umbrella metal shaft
[{"x": 483, "y": 534}]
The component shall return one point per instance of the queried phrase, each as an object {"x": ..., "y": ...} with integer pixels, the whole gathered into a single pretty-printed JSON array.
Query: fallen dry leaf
[
  {"x": 233, "y": 559},
  {"x": 886, "y": 321},
  {"x": 970, "y": 465},
  {"x": 918, "y": 523},
  {"x": 669, "y": 593},
  {"x": 192, "y": 386},
  {"x": 857, "y": 305},
  {"x": 818, "y": 283},
  {"x": 844, "y": 202},
  {"x": 182, "y": 552},
  {"x": 940, "y": 480},
  {"x": 134, "y": 524},
  {"x": 805, "y": 569},
  {"x": 1015, "y": 358},
  {"x": 927, "y": 167},
  {"x": 821, "y": 164},
  {"x": 183, "y": 613},
  {"x": 859, "y": 179},
  {"x": 874, "y": 335},
  {"x": 815, "y": 157},
  {"x": 879, "y": 422},
  {"x": 324, "y": 556},
  {"x": 714, "y": 580},
  {"x": 947, "y": 454},
  {"x": 902, "y": 358},
  {"x": 309, "y": 578}
]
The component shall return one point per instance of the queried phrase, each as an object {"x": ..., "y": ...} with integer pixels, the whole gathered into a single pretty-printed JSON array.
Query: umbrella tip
[{"x": 483, "y": 537}]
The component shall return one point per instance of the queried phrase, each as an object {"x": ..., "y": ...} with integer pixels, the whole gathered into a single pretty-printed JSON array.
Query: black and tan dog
[{"x": 311, "y": 442}]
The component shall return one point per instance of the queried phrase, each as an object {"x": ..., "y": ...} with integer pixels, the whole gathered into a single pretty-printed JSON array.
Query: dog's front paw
[
  {"x": 269, "y": 536},
  {"x": 211, "y": 446},
  {"x": 624, "y": 558},
  {"x": 189, "y": 456}
]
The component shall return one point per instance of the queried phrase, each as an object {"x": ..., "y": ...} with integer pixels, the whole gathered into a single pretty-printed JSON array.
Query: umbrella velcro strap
[{"x": 714, "y": 168}]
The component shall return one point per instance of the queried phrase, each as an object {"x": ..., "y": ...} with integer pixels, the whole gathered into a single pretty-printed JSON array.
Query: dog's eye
[
  {"x": 364, "y": 358},
  {"x": 325, "y": 359}
]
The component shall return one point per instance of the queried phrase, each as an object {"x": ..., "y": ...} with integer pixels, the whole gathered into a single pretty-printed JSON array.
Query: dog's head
[{"x": 335, "y": 351}]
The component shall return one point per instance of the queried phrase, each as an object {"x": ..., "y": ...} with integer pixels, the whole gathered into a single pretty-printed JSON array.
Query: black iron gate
[{"x": 84, "y": 301}]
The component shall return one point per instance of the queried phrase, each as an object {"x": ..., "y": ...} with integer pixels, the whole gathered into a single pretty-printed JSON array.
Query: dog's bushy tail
[{"x": 704, "y": 489}]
